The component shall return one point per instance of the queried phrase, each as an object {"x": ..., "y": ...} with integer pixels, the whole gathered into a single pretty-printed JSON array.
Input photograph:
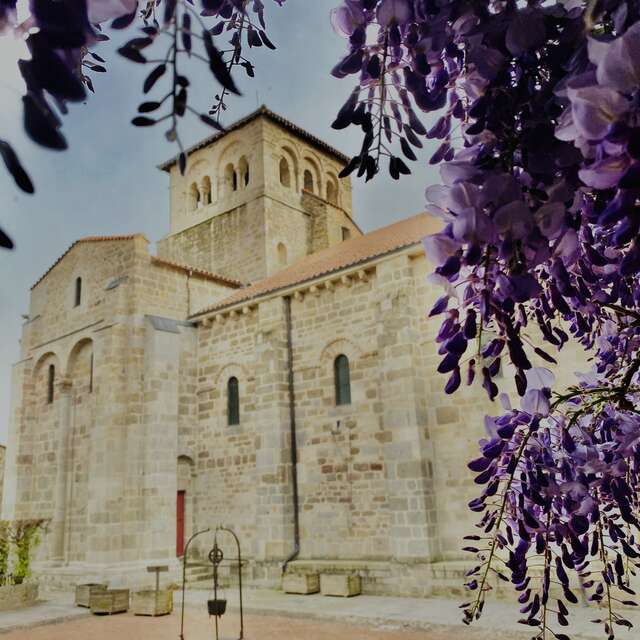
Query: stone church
[{"x": 271, "y": 369}]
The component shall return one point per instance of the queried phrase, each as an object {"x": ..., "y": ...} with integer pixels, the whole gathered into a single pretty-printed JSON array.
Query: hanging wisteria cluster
[
  {"x": 538, "y": 118},
  {"x": 61, "y": 36}
]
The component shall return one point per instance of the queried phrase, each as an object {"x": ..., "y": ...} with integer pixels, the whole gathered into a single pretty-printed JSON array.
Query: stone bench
[
  {"x": 301, "y": 583},
  {"x": 340, "y": 584}
]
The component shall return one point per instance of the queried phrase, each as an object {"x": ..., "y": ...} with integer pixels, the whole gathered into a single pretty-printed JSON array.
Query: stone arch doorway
[{"x": 184, "y": 503}]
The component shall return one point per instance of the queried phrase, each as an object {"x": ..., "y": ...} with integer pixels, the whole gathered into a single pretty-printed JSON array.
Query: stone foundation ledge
[
  {"x": 118, "y": 575},
  {"x": 18, "y": 596}
]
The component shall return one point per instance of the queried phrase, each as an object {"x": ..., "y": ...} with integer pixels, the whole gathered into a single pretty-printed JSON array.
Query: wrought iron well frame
[{"x": 215, "y": 574}]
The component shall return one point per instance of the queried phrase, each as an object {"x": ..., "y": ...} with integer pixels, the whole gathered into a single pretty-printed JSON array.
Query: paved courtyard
[
  {"x": 271, "y": 615},
  {"x": 200, "y": 627}
]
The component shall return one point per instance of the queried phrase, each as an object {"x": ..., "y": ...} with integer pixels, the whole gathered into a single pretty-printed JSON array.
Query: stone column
[
  {"x": 58, "y": 521},
  {"x": 274, "y": 503},
  {"x": 159, "y": 451},
  {"x": 11, "y": 481},
  {"x": 408, "y": 452}
]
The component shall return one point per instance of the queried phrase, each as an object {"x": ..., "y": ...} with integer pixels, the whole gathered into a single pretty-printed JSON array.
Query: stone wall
[
  {"x": 98, "y": 457},
  {"x": 244, "y": 234},
  {"x": 3, "y": 452},
  {"x": 382, "y": 481},
  {"x": 232, "y": 243},
  {"x": 371, "y": 473}
]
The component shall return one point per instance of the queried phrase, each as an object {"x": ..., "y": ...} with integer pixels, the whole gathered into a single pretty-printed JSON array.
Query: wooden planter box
[
  {"x": 84, "y": 592},
  {"x": 301, "y": 583},
  {"x": 16, "y": 596},
  {"x": 340, "y": 585},
  {"x": 152, "y": 603},
  {"x": 109, "y": 601}
]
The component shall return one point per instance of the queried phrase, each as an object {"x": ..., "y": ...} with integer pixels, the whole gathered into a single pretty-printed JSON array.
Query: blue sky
[{"x": 107, "y": 182}]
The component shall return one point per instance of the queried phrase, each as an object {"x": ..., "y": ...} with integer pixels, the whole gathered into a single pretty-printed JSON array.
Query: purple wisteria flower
[{"x": 538, "y": 142}]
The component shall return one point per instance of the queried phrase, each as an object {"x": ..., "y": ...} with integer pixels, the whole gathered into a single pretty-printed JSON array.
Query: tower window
[
  {"x": 332, "y": 193},
  {"x": 206, "y": 191},
  {"x": 230, "y": 178},
  {"x": 243, "y": 172},
  {"x": 285, "y": 174},
  {"x": 282, "y": 254},
  {"x": 342, "y": 380},
  {"x": 91, "y": 374},
  {"x": 77, "y": 298},
  {"x": 194, "y": 197},
  {"x": 51, "y": 379},
  {"x": 346, "y": 233},
  {"x": 308, "y": 180},
  {"x": 233, "y": 402}
]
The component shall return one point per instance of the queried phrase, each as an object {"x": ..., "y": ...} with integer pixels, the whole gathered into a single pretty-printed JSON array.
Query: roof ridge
[
  {"x": 205, "y": 272},
  {"x": 116, "y": 238},
  {"x": 262, "y": 110},
  {"x": 349, "y": 253}
]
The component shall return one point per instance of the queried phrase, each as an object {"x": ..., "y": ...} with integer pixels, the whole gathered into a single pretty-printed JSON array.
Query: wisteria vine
[{"x": 539, "y": 126}]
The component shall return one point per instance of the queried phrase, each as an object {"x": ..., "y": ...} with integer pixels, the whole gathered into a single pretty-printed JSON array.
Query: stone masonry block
[
  {"x": 341, "y": 585},
  {"x": 301, "y": 583}
]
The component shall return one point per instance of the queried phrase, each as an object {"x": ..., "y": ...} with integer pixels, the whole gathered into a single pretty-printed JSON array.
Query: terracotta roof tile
[
  {"x": 262, "y": 111},
  {"x": 229, "y": 282},
  {"x": 346, "y": 254},
  {"x": 88, "y": 239}
]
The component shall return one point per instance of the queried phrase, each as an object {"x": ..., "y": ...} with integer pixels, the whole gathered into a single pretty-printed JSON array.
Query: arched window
[
  {"x": 342, "y": 380},
  {"x": 206, "y": 191},
  {"x": 243, "y": 170},
  {"x": 308, "y": 180},
  {"x": 332, "y": 193},
  {"x": 194, "y": 197},
  {"x": 233, "y": 402},
  {"x": 91, "y": 374},
  {"x": 77, "y": 297},
  {"x": 285, "y": 173},
  {"x": 231, "y": 178},
  {"x": 282, "y": 255},
  {"x": 51, "y": 380}
]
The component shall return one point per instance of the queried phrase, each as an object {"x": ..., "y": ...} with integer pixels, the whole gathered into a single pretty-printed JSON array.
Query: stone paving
[{"x": 271, "y": 615}]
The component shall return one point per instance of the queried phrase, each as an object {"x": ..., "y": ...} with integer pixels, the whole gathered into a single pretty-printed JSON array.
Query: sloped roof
[
  {"x": 209, "y": 275},
  {"x": 87, "y": 239},
  {"x": 229, "y": 282},
  {"x": 274, "y": 117},
  {"x": 346, "y": 254}
]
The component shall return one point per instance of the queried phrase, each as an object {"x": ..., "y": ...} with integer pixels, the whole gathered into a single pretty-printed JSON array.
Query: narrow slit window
[
  {"x": 308, "y": 181},
  {"x": 77, "y": 298},
  {"x": 91, "y": 374},
  {"x": 332, "y": 193},
  {"x": 285, "y": 174},
  {"x": 233, "y": 402},
  {"x": 51, "y": 380},
  {"x": 342, "y": 380}
]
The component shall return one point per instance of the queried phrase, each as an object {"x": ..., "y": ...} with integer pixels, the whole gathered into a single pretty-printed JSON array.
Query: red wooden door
[{"x": 180, "y": 524}]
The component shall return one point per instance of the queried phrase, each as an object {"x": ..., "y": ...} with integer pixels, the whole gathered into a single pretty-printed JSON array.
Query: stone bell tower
[{"x": 257, "y": 198}]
